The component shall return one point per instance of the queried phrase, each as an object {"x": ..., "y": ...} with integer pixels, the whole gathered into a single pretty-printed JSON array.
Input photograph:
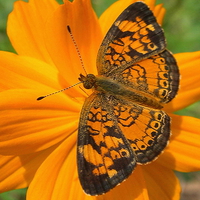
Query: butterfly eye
[
  {"x": 89, "y": 81},
  {"x": 87, "y": 85}
]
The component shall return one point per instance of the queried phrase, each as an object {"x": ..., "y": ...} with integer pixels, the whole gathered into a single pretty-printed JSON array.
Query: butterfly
[{"x": 122, "y": 123}]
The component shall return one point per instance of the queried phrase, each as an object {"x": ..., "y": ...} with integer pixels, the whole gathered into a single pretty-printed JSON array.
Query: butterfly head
[{"x": 88, "y": 81}]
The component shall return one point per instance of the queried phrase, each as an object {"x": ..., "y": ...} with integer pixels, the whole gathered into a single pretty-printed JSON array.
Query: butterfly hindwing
[
  {"x": 134, "y": 35},
  {"x": 146, "y": 129},
  {"x": 157, "y": 76}
]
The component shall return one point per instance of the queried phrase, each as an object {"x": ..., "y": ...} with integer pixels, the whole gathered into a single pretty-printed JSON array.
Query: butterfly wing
[
  {"x": 114, "y": 135},
  {"x": 157, "y": 76},
  {"x": 146, "y": 129},
  {"x": 104, "y": 157},
  {"x": 134, "y": 36},
  {"x": 133, "y": 53}
]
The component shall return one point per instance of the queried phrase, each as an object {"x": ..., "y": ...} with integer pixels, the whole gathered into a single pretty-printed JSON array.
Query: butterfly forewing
[
  {"x": 146, "y": 129},
  {"x": 134, "y": 35},
  {"x": 119, "y": 135},
  {"x": 105, "y": 157}
]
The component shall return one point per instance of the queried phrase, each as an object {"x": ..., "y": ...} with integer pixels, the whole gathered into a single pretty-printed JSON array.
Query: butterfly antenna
[
  {"x": 82, "y": 64},
  {"x": 42, "y": 97},
  {"x": 77, "y": 49}
]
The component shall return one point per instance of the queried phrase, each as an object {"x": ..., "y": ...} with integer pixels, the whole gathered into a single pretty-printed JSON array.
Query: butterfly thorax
[{"x": 109, "y": 86}]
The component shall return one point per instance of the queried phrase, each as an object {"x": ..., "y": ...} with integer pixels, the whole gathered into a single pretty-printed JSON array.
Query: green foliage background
[{"x": 182, "y": 30}]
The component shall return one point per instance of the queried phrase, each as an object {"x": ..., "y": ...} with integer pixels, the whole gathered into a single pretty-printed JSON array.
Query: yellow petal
[
  {"x": 67, "y": 185},
  {"x": 134, "y": 188},
  {"x": 161, "y": 182},
  {"x": 86, "y": 32},
  {"x": 21, "y": 72},
  {"x": 18, "y": 171},
  {"x": 11, "y": 176},
  {"x": 189, "y": 91},
  {"x": 159, "y": 13},
  {"x": 182, "y": 153},
  {"x": 54, "y": 178},
  {"x": 26, "y": 27},
  {"x": 147, "y": 182},
  {"x": 36, "y": 125},
  {"x": 26, "y": 72},
  {"x": 31, "y": 124}
]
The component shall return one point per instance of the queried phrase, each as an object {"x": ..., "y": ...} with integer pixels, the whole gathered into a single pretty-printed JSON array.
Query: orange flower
[{"x": 38, "y": 139}]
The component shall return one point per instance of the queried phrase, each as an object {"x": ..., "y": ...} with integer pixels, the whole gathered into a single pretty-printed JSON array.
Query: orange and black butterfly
[{"x": 122, "y": 123}]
